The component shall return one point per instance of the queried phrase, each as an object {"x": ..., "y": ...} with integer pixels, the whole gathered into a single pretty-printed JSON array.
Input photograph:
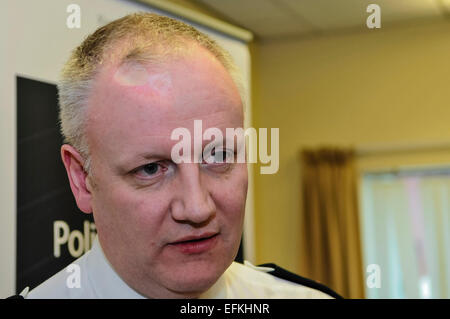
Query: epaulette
[
  {"x": 15, "y": 297},
  {"x": 289, "y": 276},
  {"x": 22, "y": 295}
]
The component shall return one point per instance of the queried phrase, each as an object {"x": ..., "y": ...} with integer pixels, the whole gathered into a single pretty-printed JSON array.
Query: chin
[{"x": 194, "y": 280}]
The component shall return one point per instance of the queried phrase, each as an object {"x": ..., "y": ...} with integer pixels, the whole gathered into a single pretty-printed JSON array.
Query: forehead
[{"x": 134, "y": 103}]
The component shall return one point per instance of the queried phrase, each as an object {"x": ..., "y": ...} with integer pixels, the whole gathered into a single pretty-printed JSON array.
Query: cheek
[
  {"x": 123, "y": 211},
  {"x": 230, "y": 194},
  {"x": 150, "y": 209}
]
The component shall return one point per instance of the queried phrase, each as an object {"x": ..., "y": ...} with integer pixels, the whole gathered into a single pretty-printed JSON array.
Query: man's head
[{"x": 169, "y": 230}]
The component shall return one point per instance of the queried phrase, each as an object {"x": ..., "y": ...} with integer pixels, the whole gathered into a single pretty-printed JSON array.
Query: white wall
[{"x": 35, "y": 42}]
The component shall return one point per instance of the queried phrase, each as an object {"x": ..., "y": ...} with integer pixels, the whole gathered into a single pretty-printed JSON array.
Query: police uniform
[{"x": 99, "y": 280}]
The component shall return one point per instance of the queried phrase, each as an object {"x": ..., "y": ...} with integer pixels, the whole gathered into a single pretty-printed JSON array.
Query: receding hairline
[
  {"x": 124, "y": 50},
  {"x": 145, "y": 32}
]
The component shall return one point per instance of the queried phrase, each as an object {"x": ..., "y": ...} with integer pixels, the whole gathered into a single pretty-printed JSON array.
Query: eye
[
  {"x": 150, "y": 170},
  {"x": 220, "y": 156}
]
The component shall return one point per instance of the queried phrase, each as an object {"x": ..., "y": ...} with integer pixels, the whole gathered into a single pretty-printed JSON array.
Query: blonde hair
[{"x": 150, "y": 38}]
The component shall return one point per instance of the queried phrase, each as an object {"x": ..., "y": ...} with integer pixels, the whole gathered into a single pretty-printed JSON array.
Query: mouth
[{"x": 195, "y": 244}]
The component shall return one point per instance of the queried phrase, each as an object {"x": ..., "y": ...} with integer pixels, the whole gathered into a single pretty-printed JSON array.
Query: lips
[{"x": 195, "y": 244}]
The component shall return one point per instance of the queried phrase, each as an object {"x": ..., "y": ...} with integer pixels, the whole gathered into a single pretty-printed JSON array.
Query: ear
[{"x": 73, "y": 162}]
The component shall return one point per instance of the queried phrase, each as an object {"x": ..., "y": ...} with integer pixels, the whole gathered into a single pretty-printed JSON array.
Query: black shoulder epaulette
[
  {"x": 289, "y": 276},
  {"x": 15, "y": 297}
]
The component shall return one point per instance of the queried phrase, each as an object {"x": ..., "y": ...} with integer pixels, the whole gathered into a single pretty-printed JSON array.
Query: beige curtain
[{"x": 331, "y": 249}]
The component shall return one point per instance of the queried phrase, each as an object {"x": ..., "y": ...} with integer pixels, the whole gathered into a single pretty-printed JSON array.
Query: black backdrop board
[{"x": 43, "y": 192}]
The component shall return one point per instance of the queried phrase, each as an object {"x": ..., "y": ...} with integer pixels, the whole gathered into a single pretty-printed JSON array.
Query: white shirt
[{"x": 99, "y": 280}]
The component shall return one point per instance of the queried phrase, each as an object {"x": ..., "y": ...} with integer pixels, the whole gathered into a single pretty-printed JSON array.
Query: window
[{"x": 405, "y": 220}]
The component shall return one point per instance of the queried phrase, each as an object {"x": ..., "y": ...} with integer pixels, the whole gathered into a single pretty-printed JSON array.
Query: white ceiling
[{"x": 269, "y": 19}]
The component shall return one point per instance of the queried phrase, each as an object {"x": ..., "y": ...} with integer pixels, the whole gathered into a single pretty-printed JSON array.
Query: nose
[{"x": 193, "y": 204}]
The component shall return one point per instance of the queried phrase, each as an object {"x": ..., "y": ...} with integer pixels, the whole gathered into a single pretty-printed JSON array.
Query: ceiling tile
[
  {"x": 325, "y": 14},
  {"x": 241, "y": 10},
  {"x": 268, "y": 18},
  {"x": 271, "y": 27},
  {"x": 409, "y": 9},
  {"x": 331, "y": 14}
]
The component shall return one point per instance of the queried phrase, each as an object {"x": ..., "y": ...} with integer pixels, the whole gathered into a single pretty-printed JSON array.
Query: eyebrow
[
  {"x": 157, "y": 155},
  {"x": 129, "y": 163}
]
